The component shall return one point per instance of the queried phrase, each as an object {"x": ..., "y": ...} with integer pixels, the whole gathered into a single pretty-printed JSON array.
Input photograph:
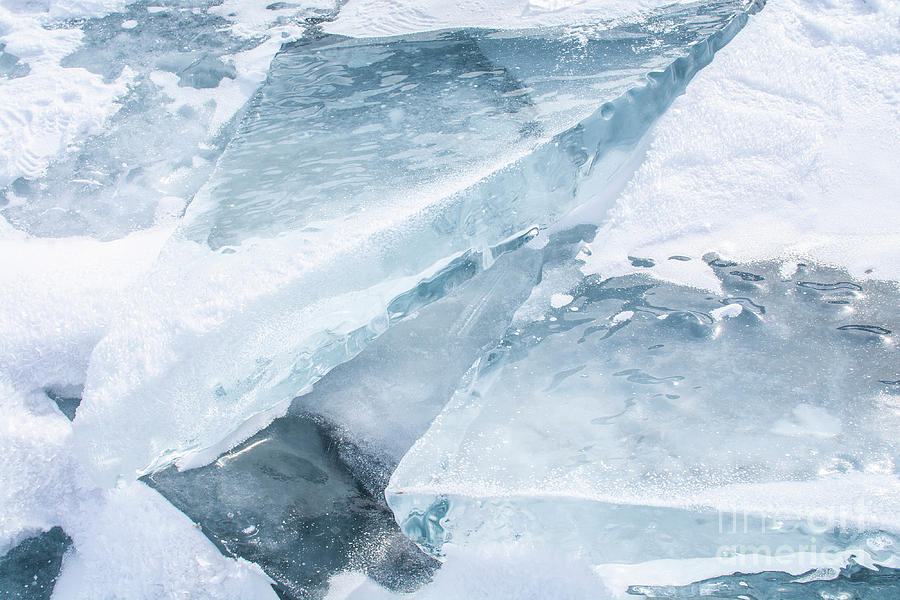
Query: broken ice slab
[
  {"x": 647, "y": 421},
  {"x": 368, "y": 412},
  {"x": 360, "y": 170},
  {"x": 381, "y": 401},
  {"x": 346, "y": 125},
  {"x": 283, "y": 500}
]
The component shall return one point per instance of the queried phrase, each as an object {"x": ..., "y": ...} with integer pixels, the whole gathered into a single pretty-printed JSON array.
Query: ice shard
[
  {"x": 361, "y": 169},
  {"x": 380, "y": 402},
  {"x": 306, "y": 494},
  {"x": 639, "y": 420}
]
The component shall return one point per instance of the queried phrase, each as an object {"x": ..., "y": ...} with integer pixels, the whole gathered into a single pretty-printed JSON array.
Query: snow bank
[
  {"x": 59, "y": 295},
  {"x": 785, "y": 146}
]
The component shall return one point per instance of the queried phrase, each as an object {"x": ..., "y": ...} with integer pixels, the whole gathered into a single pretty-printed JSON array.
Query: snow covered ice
[{"x": 379, "y": 299}]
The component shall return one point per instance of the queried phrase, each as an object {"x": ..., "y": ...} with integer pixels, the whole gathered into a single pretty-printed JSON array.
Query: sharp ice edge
[
  {"x": 208, "y": 358},
  {"x": 318, "y": 474}
]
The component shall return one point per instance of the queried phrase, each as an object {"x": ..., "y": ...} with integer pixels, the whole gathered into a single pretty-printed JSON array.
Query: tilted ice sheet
[
  {"x": 381, "y": 401},
  {"x": 646, "y": 421},
  {"x": 267, "y": 286},
  {"x": 304, "y": 498}
]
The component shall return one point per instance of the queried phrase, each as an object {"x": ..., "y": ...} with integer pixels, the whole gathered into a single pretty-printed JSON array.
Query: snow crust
[
  {"x": 58, "y": 297},
  {"x": 784, "y": 147},
  {"x": 128, "y": 542},
  {"x": 48, "y": 109},
  {"x": 134, "y": 544}
]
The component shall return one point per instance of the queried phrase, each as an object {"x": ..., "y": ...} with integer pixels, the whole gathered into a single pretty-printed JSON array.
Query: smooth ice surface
[
  {"x": 284, "y": 501},
  {"x": 368, "y": 18},
  {"x": 644, "y": 420},
  {"x": 242, "y": 313}
]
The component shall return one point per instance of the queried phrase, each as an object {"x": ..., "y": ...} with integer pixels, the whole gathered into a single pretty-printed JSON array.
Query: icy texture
[
  {"x": 785, "y": 146},
  {"x": 350, "y": 125},
  {"x": 188, "y": 70},
  {"x": 854, "y": 582},
  {"x": 10, "y": 65},
  {"x": 372, "y": 410},
  {"x": 29, "y": 570},
  {"x": 380, "y": 402},
  {"x": 243, "y": 313},
  {"x": 367, "y": 18},
  {"x": 58, "y": 298},
  {"x": 295, "y": 509},
  {"x": 283, "y": 500},
  {"x": 644, "y": 421}
]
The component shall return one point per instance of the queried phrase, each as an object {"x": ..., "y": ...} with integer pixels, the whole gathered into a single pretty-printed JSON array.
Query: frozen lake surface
[{"x": 382, "y": 299}]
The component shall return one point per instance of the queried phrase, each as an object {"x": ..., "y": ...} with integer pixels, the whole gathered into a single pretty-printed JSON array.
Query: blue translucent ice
[{"x": 362, "y": 168}]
